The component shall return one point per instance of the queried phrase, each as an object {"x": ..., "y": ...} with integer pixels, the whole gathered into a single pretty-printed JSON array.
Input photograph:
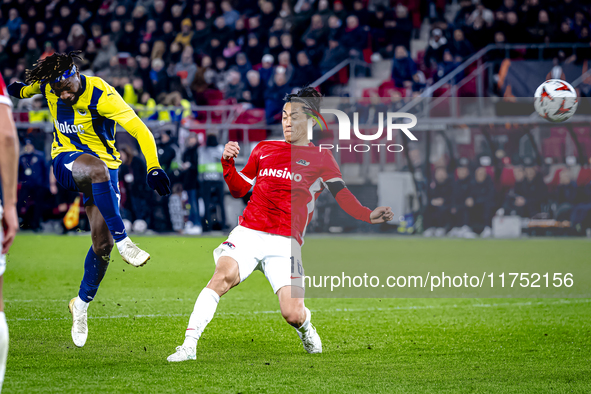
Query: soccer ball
[{"x": 556, "y": 100}]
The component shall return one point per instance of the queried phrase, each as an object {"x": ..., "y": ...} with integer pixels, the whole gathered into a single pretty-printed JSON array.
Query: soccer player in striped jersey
[
  {"x": 85, "y": 111},
  {"x": 288, "y": 176}
]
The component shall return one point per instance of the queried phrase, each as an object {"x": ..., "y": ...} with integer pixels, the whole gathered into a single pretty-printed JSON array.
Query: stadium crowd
[
  {"x": 165, "y": 52},
  {"x": 461, "y": 201}
]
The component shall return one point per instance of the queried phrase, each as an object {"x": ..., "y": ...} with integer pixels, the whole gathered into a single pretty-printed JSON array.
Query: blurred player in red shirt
[
  {"x": 8, "y": 216},
  {"x": 290, "y": 175}
]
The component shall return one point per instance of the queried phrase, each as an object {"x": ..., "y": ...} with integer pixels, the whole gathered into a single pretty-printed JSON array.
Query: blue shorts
[{"x": 62, "y": 169}]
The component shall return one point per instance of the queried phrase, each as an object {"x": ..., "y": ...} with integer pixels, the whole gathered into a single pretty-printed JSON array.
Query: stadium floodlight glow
[{"x": 345, "y": 125}]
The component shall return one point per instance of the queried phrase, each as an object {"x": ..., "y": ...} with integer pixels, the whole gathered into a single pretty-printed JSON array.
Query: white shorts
[
  {"x": 278, "y": 257},
  {"x": 2, "y": 256}
]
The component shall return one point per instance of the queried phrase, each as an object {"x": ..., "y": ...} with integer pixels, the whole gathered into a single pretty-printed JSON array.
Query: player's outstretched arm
[
  {"x": 239, "y": 183},
  {"x": 9, "y": 175},
  {"x": 353, "y": 207},
  {"x": 112, "y": 106},
  {"x": 156, "y": 178},
  {"x": 21, "y": 90}
]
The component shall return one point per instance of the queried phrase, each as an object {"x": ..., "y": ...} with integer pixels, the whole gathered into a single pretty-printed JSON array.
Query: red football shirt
[
  {"x": 4, "y": 97},
  {"x": 287, "y": 181}
]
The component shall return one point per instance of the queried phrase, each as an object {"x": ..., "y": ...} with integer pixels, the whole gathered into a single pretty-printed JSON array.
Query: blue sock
[
  {"x": 94, "y": 271},
  {"x": 106, "y": 200}
]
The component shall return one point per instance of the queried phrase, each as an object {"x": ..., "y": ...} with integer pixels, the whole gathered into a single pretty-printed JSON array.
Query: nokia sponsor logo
[
  {"x": 65, "y": 128},
  {"x": 278, "y": 173}
]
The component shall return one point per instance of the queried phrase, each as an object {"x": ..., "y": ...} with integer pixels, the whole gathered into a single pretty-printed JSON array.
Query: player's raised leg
[
  {"x": 295, "y": 313},
  {"x": 93, "y": 178},
  {"x": 95, "y": 267},
  {"x": 225, "y": 277}
]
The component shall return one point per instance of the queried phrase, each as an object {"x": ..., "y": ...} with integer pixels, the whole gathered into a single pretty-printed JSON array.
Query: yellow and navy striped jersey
[{"x": 89, "y": 126}]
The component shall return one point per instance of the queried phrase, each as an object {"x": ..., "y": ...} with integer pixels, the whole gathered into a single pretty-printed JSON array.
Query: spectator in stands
[
  {"x": 334, "y": 54},
  {"x": 355, "y": 38},
  {"x": 462, "y": 192},
  {"x": 229, "y": 14},
  {"x": 335, "y": 28},
  {"x": 274, "y": 96},
  {"x": 212, "y": 184},
  {"x": 460, "y": 47},
  {"x": 202, "y": 80},
  {"x": 221, "y": 31},
  {"x": 33, "y": 52},
  {"x": 77, "y": 37},
  {"x": 266, "y": 69},
  {"x": 581, "y": 214},
  {"x": 132, "y": 170},
  {"x": 446, "y": 66},
  {"x": 4, "y": 36},
  {"x": 284, "y": 61},
  {"x": 200, "y": 35},
  {"x": 166, "y": 151},
  {"x": 536, "y": 189},
  {"x": 440, "y": 194},
  {"x": 565, "y": 195},
  {"x": 253, "y": 50},
  {"x": 186, "y": 34},
  {"x": 273, "y": 46},
  {"x": 398, "y": 30},
  {"x": 255, "y": 91},
  {"x": 14, "y": 22},
  {"x": 242, "y": 65},
  {"x": 104, "y": 54},
  {"x": 304, "y": 73},
  {"x": 158, "y": 77},
  {"x": 186, "y": 68},
  {"x": 32, "y": 178},
  {"x": 481, "y": 203},
  {"x": 234, "y": 85},
  {"x": 317, "y": 31},
  {"x": 190, "y": 167},
  {"x": 403, "y": 68},
  {"x": 56, "y": 33},
  {"x": 437, "y": 45}
]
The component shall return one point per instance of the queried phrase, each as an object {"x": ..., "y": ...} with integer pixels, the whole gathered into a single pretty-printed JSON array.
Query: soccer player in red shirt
[
  {"x": 290, "y": 175},
  {"x": 8, "y": 216}
]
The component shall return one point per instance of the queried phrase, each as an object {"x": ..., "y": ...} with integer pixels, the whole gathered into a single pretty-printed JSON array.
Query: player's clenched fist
[
  {"x": 231, "y": 150},
  {"x": 381, "y": 215}
]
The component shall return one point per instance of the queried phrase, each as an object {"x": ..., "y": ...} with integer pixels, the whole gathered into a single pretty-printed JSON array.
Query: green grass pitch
[{"x": 370, "y": 345}]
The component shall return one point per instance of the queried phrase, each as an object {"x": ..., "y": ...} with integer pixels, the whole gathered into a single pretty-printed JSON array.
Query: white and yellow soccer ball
[{"x": 556, "y": 100}]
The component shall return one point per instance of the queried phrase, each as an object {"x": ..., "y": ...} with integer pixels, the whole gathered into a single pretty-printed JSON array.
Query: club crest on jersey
[
  {"x": 82, "y": 112},
  {"x": 303, "y": 162},
  {"x": 229, "y": 245},
  {"x": 66, "y": 128}
]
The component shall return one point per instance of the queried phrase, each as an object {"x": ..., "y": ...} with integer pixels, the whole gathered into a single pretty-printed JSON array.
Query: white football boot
[
  {"x": 310, "y": 338},
  {"x": 79, "y": 324},
  {"x": 183, "y": 353},
  {"x": 131, "y": 254}
]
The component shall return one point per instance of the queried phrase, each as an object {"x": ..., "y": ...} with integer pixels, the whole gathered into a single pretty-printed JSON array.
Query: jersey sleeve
[
  {"x": 330, "y": 170},
  {"x": 240, "y": 182},
  {"x": 31, "y": 90},
  {"x": 112, "y": 106},
  {"x": 4, "y": 98},
  {"x": 333, "y": 180}
]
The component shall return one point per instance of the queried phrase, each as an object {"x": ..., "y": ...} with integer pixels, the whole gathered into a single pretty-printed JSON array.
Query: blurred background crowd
[{"x": 184, "y": 54}]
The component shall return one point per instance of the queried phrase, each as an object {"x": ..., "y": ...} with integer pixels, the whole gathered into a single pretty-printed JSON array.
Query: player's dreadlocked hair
[
  {"x": 307, "y": 95},
  {"x": 51, "y": 67}
]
